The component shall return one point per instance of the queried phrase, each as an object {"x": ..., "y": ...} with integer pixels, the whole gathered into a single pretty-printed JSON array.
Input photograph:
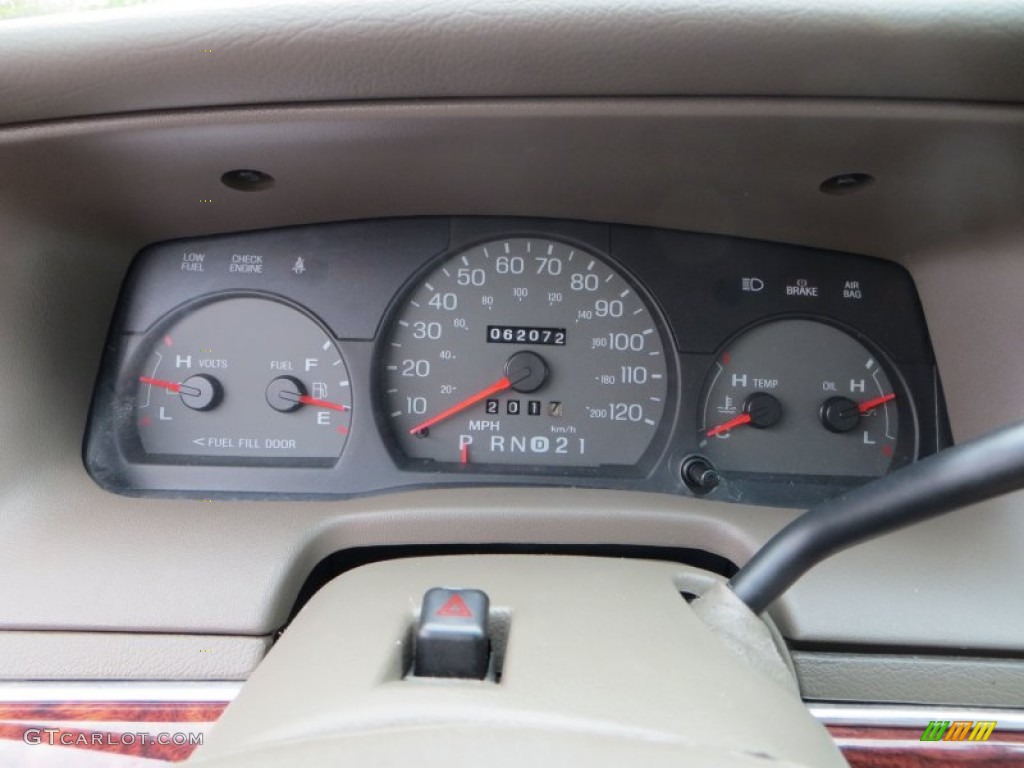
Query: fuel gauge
[
  {"x": 803, "y": 397},
  {"x": 240, "y": 380}
]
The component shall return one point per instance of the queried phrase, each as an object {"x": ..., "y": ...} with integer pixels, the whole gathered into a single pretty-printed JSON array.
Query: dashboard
[
  {"x": 346, "y": 359},
  {"x": 220, "y": 398}
]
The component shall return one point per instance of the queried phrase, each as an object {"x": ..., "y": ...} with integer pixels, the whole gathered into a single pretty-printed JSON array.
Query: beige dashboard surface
[
  {"x": 197, "y": 54},
  {"x": 79, "y": 198},
  {"x": 161, "y": 120},
  {"x": 127, "y": 656},
  {"x": 596, "y": 646}
]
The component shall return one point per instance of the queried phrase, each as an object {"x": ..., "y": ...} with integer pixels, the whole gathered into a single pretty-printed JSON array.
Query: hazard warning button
[{"x": 452, "y": 639}]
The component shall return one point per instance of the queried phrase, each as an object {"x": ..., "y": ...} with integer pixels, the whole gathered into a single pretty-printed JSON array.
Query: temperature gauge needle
[
  {"x": 307, "y": 400},
  {"x": 739, "y": 421},
  {"x": 499, "y": 386},
  {"x": 760, "y": 410},
  {"x": 868, "y": 405}
]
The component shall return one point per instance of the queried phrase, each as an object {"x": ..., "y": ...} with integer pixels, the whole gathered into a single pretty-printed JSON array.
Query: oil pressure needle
[{"x": 868, "y": 405}]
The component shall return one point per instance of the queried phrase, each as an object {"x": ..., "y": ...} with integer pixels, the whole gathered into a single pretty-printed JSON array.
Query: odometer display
[
  {"x": 511, "y": 334},
  {"x": 525, "y": 351}
]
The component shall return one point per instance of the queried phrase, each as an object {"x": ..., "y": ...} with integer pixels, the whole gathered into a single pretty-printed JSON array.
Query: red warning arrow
[{"x": 455, "y": 606}]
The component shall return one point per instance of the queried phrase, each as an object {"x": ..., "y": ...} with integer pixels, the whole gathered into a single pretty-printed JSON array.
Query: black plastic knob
[
  {"x": 840, "y": 414},
  {"x": 765, "y": 410},
  {"x": 527, "y": 371},
  {"x": 700, "y": 475},
  {"x": 201, "y": 392},
  {"x": 283, "y": 394}
]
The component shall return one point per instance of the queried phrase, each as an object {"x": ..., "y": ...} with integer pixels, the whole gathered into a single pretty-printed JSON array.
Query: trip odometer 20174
[{"x": 525, "y": 351}]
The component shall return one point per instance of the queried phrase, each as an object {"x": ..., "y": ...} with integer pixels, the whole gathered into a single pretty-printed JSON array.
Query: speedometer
[{"x": 525, "y": 351}]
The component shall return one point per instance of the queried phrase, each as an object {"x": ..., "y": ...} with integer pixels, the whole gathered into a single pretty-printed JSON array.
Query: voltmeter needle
[{"x": 170, "y": 386}]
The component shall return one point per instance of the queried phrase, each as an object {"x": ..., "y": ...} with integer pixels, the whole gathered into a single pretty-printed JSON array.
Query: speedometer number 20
[{"x": 525, "y": 351}]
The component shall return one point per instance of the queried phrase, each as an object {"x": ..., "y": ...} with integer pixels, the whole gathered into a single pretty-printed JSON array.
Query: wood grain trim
[
  {"x": 870, "y": 747},
  {"x": 136, "y": 712},
  {"x": 73, "y": 725},
  {"x": 862, "y": 746}
]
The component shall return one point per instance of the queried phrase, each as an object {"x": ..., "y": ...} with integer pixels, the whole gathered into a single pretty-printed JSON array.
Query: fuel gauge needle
[
  {"x": 868, "y": 405},
  {"x": 307, "y": 400},
  {"x": 739, "y": 421}
]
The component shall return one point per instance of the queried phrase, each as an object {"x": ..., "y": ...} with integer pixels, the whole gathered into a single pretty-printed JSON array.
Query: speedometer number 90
[{"x": 525, "y": 351}]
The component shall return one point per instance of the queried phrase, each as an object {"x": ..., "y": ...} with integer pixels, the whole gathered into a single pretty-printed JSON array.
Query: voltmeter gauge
[
  {"x": 801, "y": 397},
  {"x": 239, "y": 380}
]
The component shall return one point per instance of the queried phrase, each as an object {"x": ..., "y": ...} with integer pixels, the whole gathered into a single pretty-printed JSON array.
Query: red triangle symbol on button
[{"x": 455, "y": 606}]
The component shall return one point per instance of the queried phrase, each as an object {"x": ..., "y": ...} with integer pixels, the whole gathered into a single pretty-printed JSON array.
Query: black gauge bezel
[{"x": 359, "y": 273}]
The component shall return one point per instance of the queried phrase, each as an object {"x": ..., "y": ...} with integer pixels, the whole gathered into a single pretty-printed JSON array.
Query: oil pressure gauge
[
  {"x": 801, "y": 397},
  {"x": 239, "y": 380}
]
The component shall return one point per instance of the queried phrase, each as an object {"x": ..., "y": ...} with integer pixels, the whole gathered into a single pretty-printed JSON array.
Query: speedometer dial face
[{"x": 525, "y": 351}]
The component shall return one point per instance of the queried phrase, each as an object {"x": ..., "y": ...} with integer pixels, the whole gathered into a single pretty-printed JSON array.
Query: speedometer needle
[
  {"x": 868, "y": 405},
  {"x": 499, "y": 386},
  {"x": 739, "y": 421}
]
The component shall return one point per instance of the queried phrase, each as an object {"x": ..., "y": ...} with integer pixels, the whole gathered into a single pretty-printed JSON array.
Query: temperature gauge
[
  {"x": 241, "y": 378},
  {"x": 802, "y": 397}
]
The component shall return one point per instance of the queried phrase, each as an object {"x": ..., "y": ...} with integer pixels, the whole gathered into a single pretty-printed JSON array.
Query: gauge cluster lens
[
  {"x": 800, "y": 397},
  {"x": 242, "y": 378},
  {"x": 525, "y": 351},
  {"x": 352, "y": 358}
]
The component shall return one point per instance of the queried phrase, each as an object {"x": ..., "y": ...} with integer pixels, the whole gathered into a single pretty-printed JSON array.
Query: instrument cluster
[{"x": 342, "y": 359}]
